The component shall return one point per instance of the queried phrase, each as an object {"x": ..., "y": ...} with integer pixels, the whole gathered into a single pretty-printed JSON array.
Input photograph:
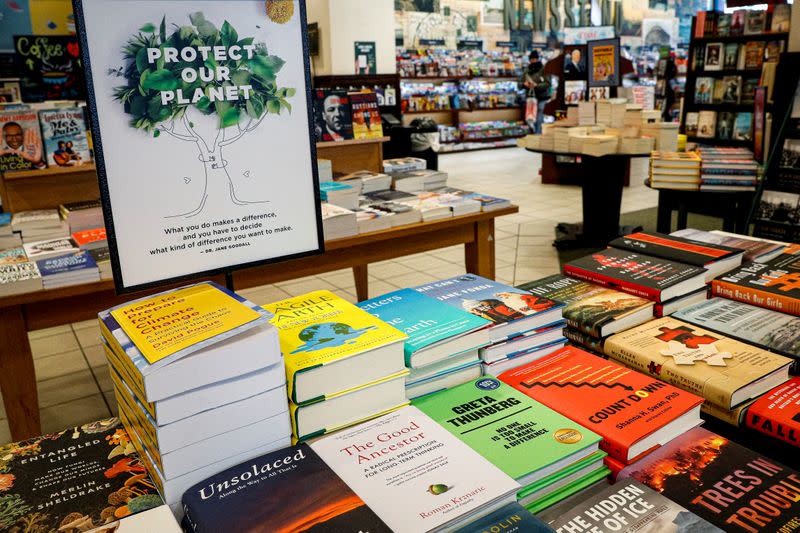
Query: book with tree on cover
[
  {"x": 767, "y": 329},
  {"x": 525, "y": 439},
  {"x": 772, "y": 285},
  {"x": 625, "y": 506},
  {"x": 638, "y": 274},
  {"x": 331, "y": 345},
  {"x": 414, "y": 474},
  {"x": 724, "y": 371},
  {"x": 633, "y": 412},
  {"x": 732, "y": 487},
  {"x": 365, "y": 115},
  {"x": 64, "y": 137},
  {"x": 595, "y": 310},
  {"x": 777, "y": 413},
  {"x": 288, "y": 490}
]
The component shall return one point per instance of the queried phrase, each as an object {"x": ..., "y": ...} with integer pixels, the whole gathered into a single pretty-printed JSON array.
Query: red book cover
[
  {"x": 777, "y": 413},
  {"x": 82, "y": 238},
  {"x": 621, "y": 405},
  {"x": 613, "y": 465}
]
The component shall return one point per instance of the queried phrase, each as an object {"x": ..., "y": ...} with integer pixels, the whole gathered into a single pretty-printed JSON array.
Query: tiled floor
[{"x": 73, "y": 382}]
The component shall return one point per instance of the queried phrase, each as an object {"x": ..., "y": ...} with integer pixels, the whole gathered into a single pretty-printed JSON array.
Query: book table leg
[
  {"x": 362, "y": 282},
  {"x": 479, "y": 254},
  {"x": 17, "y": 375}
]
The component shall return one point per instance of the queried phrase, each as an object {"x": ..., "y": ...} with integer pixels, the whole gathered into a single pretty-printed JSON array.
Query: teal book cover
[
  {"x": 511, "y": 518},
  {"x": 425, "y": 320}
]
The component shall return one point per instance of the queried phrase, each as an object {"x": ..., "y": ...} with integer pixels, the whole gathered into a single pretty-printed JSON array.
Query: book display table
[
  {"x": 353, "y": 155},
  {"x": 732, "y": 207},
  {"x": 602, "y": 179},
  {"x": 42, "y": 309}
]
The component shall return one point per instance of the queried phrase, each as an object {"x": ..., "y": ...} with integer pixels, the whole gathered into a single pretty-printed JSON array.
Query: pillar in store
[{"x": 794, "y": 29}]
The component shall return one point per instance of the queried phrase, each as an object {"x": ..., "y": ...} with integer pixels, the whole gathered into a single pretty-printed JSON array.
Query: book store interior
[{"x": 411, "y": 266}]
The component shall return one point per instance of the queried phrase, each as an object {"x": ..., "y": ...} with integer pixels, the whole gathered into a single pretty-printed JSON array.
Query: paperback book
[
  {"x": 365, "y": 115},
  {"x": 64, "y": 136},
  {"x": 332, "y": 118},
  {"x": 21, "y": 141}
]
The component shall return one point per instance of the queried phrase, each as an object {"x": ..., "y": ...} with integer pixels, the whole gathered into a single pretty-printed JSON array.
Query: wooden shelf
[
  {"x": 49, "y": 172},
  {"x": 487, "y": 139},
  {"x": 719, "y": 142},
  {"x": 351, "y": 142},
  {"x": 720, "y": 107},
  {"x": 458, "y": 78},
  {"x": 742, "y": 38},
  {"x": 744, "y": 73},
  {"x": 428, "y": 112}
]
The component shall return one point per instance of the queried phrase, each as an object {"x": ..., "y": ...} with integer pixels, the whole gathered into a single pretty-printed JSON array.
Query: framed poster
[
  {"x": 604, "y": 63},
  {"x": 575, "y": 62},
  {"x": 365, "y": 57},
  {"x": 201, "y": 115}
]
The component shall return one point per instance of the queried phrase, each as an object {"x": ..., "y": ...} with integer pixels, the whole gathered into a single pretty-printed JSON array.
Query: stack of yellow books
[{"x": 675, "y": 170}]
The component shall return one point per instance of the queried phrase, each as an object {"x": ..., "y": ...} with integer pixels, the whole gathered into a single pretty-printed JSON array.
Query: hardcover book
[
  {"x": 731, "y": 89},
  {"x": 595, "y": 310},
  {"x": 289, "y": 490},
  {"x": 435, "y": 330},
  {"x": 777, "y": 413},
  {"x": 158, "y": 519},
  {"x": 327, "y": 341},
  {"x": 713, "y": 56},
  {"x": 64, "y": 136},
  {"x": 365, "y": 115},
  {"x": 707, "y": 124},
  {"x": 738, "y": 20},
  {"x": 633, "y": 412},
  {"x": 19, "y": 277},
  {"x": 725, "y": 122},
  {"x": 781, "y": 18},
  {"x": 414, "y": 474},
  {"x": 743, "y": 127},
  {"x": 625, "y": 506},
  {"x": 758, "y": 250},
  {"x": 690, "y": 125},
  {"x": 90, "y": 238},
  {"x": 511, "y": 310},
  {"x": 21, "y": 141},
  {"x": 724, "y": 371},
  {"x": 726, "y": 484},
  {"x": 520, "y": 436},
  {"x": 772, "y": 285},
  {"x": 333, "y": 121},
  {"x": 638, "y": 274},
  {"x": 767, "y": 329},
  {"x": 756, "y": 22},
  {"x": 731, "y": 57},
  {"x": 753, "y": 55},
  {"x": 72, "y": 264},
  {"x": 511, "y": 518},
  {"x": 703, "y": 90},
  {"x": 85, "y": 476}
]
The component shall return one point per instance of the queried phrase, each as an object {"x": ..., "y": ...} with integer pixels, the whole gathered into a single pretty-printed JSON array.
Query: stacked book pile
[
  {"x": 8, "y": 237},
  {"x": 390, "y": 203},
  {"x": 586, "y": 114},
  {"x": 338, "y": 222},
  {"x": 341, "y": 194},
  {"x": 370, "y": 181},
  {"x": 66, "y": 270},
  {"x": 598, "y": 145},
  {"x": 732, "y": 169},
  {"x": 50, "y": 248},
  {"x": 418, "y": 180},
  {"x": 81, "y": 216},
  {"x": 199, "y": 393},
  {"x": 91, "y": 239},
  {"x": 456, "y": 201},
  {"x": 665, "y": 135},
  {"x": 675, "y": 170},
  {"x": 635, "y": 144},
  {"x": 403, "y": 164},
  {"x": 19, "y": 277},
  {"x": 102, "y": 258},
  {"x": 39, "y": 225},
  {"x": 611, "y": 112},
  {"x": 343, "y": 365},
  {"x": 634, "y": 116},
  {"x": 325, "y": 170},
  {"x": 755, "y": 250}
]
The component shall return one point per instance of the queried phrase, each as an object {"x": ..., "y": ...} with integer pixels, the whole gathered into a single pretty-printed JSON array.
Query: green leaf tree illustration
[{"x": 141, "y": 95}]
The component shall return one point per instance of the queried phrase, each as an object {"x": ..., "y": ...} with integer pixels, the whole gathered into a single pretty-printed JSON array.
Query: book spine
[
  {"x": 606, "y": 281},
  {"x": 589, "y": 329},
  {"x": 757, "y": 297},
  {"x": 614, "y": 449},
  {"x": 772, "y": 427}
]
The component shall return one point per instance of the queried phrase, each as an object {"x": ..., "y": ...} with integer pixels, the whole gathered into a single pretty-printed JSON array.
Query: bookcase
[{"x": 717, "y": 84}]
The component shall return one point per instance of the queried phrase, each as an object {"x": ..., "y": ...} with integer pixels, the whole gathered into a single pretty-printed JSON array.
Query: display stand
[
  {"x": 353, "y": 155},
  {"x": 370, "y": 81},
  {"x": 48, "y": 188},
  {"x": 732, "y": 207}
]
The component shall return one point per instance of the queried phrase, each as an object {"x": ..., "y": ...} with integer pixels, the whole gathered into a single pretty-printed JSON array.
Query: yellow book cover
[
  {"x": 733, "y": 416},
  {"x": 694, "y": 359},
  {"x": 171, "y": 324},
  {"x": 320, "y": 328}
]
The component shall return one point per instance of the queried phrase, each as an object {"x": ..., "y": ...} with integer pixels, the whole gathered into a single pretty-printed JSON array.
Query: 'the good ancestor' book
[
  {"x": 414, "y": 474},
  {"x": 523, "y": 438},
  {"x": 435, "y": 330},
  {"x": 288, "y": 490},
  {"x": 634, "y": 413},
  {"x": 726, "y": 484},
  {"x": 726, "y": 372},
  {"x": 331, "y": 346},
  {"x": 649, "y": 277}
]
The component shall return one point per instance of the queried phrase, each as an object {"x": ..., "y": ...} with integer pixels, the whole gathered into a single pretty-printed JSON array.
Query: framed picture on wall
[
  {"x": 575, "y": 62},
  {"x": 603, "y": 58}
]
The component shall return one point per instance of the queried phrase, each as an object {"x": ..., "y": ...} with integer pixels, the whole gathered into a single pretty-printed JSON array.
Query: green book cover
[{"x": 523, "y": 438}]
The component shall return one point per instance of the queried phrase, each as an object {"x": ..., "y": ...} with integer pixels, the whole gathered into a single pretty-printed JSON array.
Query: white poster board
[{"x": 201, "y": 113}]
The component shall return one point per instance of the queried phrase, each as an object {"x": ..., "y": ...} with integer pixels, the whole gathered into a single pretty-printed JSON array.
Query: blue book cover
[
  {"x": 284, "y": 491},
  {"x": 326, "y": 186},
  {"x": 494, "y": 301},
  {"x": 425, "y": 320},
  {"x": 511, "y": 518},
  {"x": 66, "y": 264},
  {"x": 5, "y": 219}
]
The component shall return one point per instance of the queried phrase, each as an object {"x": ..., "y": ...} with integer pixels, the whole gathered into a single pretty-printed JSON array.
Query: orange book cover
[
  {"x": 621, "y": 405},
  {"x": 777, "y": 413},
  {"x": 82, "y": 238}
]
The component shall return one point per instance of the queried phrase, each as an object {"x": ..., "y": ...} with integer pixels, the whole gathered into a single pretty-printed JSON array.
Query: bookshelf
[
  {"x": 697, "y": 70},
  {"x": 49, "y": 187}
]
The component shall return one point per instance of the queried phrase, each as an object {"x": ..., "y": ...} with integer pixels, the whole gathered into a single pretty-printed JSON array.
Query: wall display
[
  {"x": 201, "y": 114},
  {"x": 604, "y": 63},
  {"x": 575, "y": 62},
  {"x": 365, "y": 57},
  {"x": 50, "y": 67}
]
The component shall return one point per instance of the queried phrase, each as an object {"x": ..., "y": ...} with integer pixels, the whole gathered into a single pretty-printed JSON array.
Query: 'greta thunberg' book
[{"x": 732, "y": 487}]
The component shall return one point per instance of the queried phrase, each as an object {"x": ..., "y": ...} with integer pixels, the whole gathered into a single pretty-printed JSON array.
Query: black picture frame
[
  {"x": 594, "y": 49},
  {"x": 105, "y": 197},
  {"x": 573, "y": 71}
]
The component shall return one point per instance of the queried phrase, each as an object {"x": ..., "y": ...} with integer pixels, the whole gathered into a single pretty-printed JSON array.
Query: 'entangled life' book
[
  {"x": 639, "y": 274},
  {"x": 777, "y": 413},
  {"x": 633, "y": 412},
  {"x": 435, "y": 330},
  {"x": 724, "y": 371},
  {"x": 728, "y": 485},
  {"x": 414, "y": 474},
  {"x": 289, "y": 490},
  {"x": 772, "y": 285}
]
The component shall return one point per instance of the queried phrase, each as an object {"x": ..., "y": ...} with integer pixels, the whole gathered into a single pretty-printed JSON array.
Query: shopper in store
[{"x": 537, "y": 87}]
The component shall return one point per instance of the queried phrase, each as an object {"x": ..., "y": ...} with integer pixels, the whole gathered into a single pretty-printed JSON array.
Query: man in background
[{"x": 537, "y": 86}]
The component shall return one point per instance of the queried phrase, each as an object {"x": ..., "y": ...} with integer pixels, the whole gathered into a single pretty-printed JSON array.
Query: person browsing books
[{"x": 538, "y": 90}]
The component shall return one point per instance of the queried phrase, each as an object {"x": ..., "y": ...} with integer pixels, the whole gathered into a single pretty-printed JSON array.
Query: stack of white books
[
  {"x": 39, "y": 225},
  {"x": 418, "y": 180},
  {"x": 599, "y": 145},
  {"x": 341, "y": 194},
  {"x": 81, "y": 216},
  {"x": 572, "y": 116},
  {"x": 651, "y": 116},
  {"x": 338, "y": 222},
  {"x": 665, "y": 135},
  {"x": 675, "y": 170},
  {"x": 370, "y": 181},
  {"x": 633, "y": 116},
  {"x": 39, "y": 250},
  {"x": 196, "y": 407},
  {"x": 547, "y": 141},
  {"x": 402, "y": 164},
  {"x": 586, "y": 113},
  {"x": 429, "y": 207},
  {"x": 102, "y": 258},
  {"x": 636, "y": 145},
  {"x": 16, "y": 278},
  {"x": 529, "y": 141},
  {"x": 561, "y": 136},
  {"x": 391, "y": 202},
  {"x": 611, "y": 112},
  {"x": 325, "y": 170},
  {"x": 8, "y": 237},
  {"x": 371, "y": 219}
]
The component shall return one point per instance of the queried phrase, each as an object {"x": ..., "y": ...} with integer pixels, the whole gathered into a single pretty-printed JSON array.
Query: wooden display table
[
  {"x": 42, "y": 309},
  {"x": 353, "y": 155},
  {"x": 733, "y": 207}
]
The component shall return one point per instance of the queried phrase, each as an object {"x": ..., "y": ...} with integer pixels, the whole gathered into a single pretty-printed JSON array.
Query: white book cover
[
  {"x": 158, "y": 519},
  {"x": 414, "y": 474}
]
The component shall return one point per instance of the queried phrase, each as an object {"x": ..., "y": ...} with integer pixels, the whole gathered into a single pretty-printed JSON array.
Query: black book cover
[
  {"x": 86, "y": 476},
  {"x": 675, "y": 249},
  {"x": 289, "y": 490},
  {"x": 332, "y": 118},
  {"x": 633, "y": 273},
  {"x": 729, "y": 485},
  {"x": 50, "y": 67},
  {"x": 774, "y": 284},
  {"x": 389, "y": 196}
]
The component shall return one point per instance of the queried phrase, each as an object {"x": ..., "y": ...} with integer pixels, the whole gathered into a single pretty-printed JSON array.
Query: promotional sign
[
  {"x": 201, "y": 118},
  {"x": 365, "y": 57},
  {"x": 604, "y": 63},
  {"x": 49, "y": 67},
  {"x": 584, "y": 34}
]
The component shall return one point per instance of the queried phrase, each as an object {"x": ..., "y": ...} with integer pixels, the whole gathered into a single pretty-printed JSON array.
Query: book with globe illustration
[
  {"x": 414, "y": 474},
  {"x": 331, "y": 346},
  {"x": 726, "y": 372}
]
